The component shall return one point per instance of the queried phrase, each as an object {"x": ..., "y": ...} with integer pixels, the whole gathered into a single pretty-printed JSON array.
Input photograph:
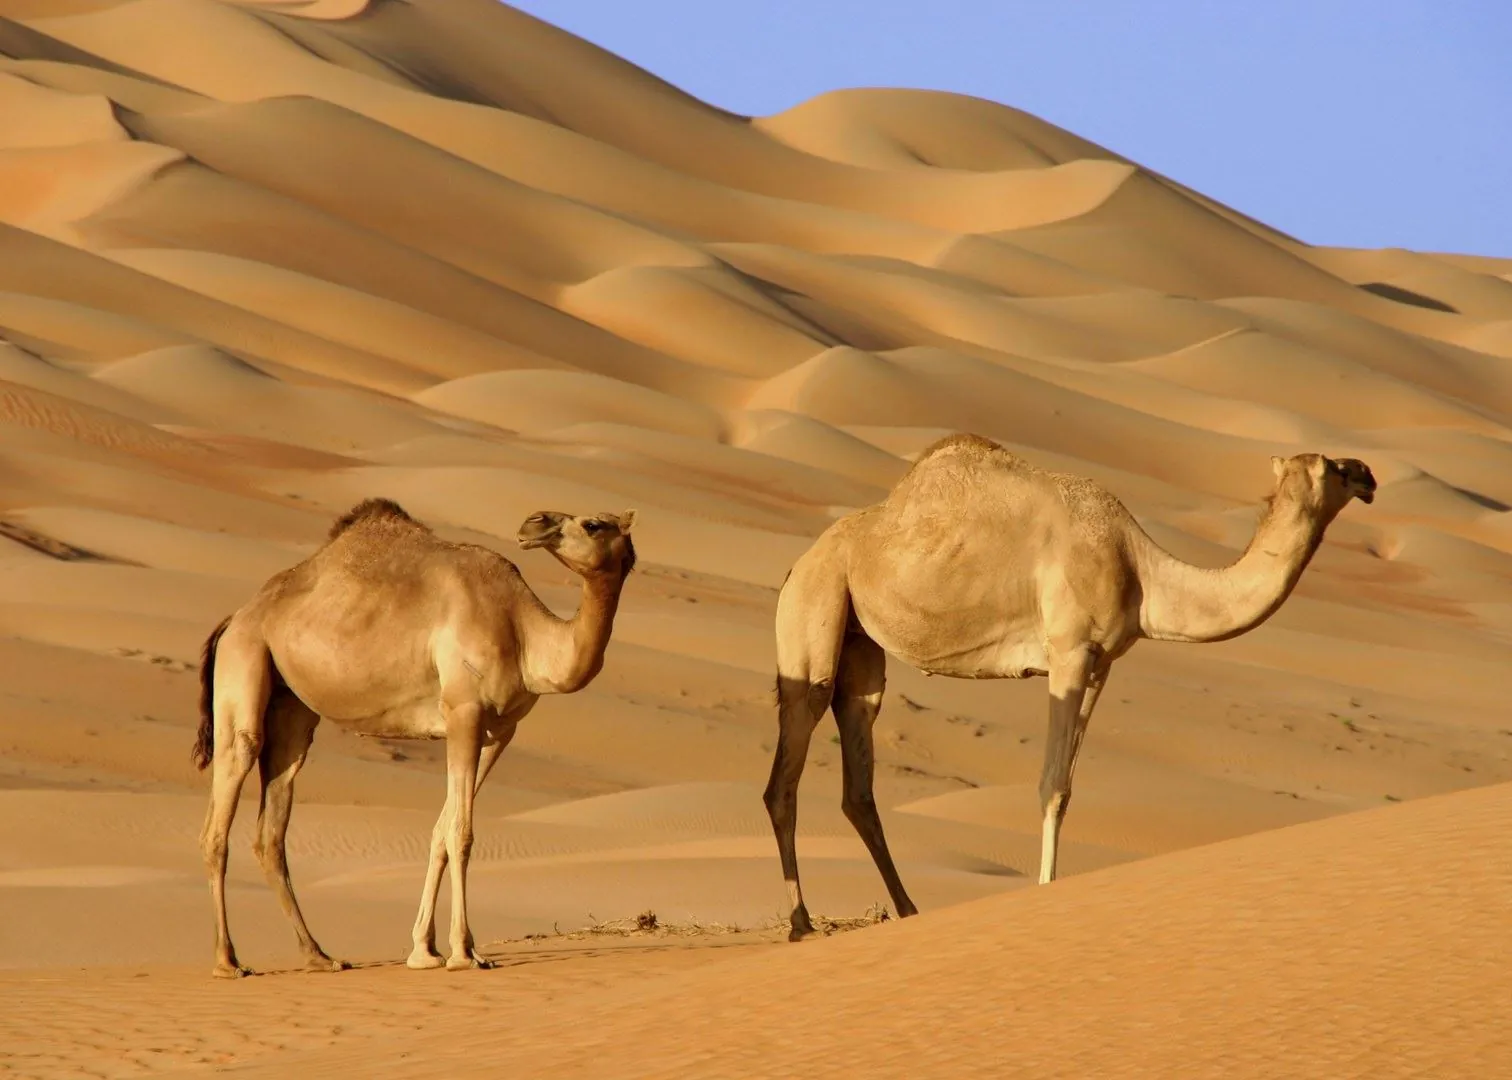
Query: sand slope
[
  {"x": 259, "y": 260},
  {"x": 1370, "y": 945}
]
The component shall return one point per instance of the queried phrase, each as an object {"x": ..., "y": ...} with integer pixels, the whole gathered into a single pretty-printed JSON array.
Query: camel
[
  {"x": 391, "y": 631},
  {"x": 979, "y": 565}
]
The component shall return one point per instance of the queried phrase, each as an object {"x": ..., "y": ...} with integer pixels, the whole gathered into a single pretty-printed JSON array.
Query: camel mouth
[
  {"x": 1361, "y": 481},
  {"x": 532, "y": 540},
  {"x": 538, "y": 531}
]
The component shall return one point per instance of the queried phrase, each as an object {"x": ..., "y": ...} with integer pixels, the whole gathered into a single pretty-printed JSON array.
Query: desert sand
[{"x": 259, "y": 260}]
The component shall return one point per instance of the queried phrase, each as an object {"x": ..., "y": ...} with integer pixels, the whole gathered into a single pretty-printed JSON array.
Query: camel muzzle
[
  {"x": 540, "y": 530},
  {"x": 1361, "y": 480}
]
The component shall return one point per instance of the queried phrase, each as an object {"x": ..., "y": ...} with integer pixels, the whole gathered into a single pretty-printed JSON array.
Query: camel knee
[
  {"x": 781, "y": 798},
  {"x": 270, "y": 857},
  {"x": 814, "y": 695},
  {"x": 460, "y": 843},
  {"x": 240, "y": 751},
  {"x": 781, "y": 795},
  {"x": 775, "y": 803},
  {"x": 213, "y": 848},
  {"x": 1054, "y": 801},
  {"x": 248, "y": 745},
  {"x": 858, "y": 807},
  {"x": 821, "y": 692}
]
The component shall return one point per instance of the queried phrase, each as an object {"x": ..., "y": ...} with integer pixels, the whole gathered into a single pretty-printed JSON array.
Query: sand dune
[
  {"x": 1331, "y": 949},
  {"x": 261, "y": 259}
]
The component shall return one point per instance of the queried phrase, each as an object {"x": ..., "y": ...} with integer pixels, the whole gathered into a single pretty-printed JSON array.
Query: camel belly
[
  {"x": 962, "y": 643},
  {"x": 417, "y": 720},
  {"x": 1022, "y": 661},
  {"x": 351, "y": 695},
  {"x": 989, "y": 660}
]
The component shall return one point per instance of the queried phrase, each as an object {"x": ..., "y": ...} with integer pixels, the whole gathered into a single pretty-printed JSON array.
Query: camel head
[
  {"x": 596, "y": 544},
  {"x": 1323, "y": 485}
]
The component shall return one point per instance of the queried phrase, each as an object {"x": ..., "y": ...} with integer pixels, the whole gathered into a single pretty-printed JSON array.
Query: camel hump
[
  {"x": 962, "y": 445},
  {"x": 371, "y": 510}
]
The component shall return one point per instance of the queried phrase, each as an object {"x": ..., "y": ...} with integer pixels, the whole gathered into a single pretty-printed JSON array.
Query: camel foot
[
  {"x": 425, "y": 959},
  {"x": 325, "y": 963},
  {"x": 233, "y": 970},
  {"x": 468, "y": 962},
  {"x": 800, "y": 925}
]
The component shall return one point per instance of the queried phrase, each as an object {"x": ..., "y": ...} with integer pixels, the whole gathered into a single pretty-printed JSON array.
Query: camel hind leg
[
  {"x": 812, "y": 611},
  {"x": 242, "y": 682},
  {"x": 290, "y": 728},
  {"x": 858, "y": 698}
]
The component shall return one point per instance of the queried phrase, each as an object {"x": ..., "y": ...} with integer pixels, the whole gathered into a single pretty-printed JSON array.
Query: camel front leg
[
  {"x": 464, "y": 737},
  {"x": 424, "y": 955},
  {"x": 1076, "y": 680}
]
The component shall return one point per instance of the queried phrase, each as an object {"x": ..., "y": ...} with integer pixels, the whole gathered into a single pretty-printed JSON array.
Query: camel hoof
[
  {"x": 231, "y": 971},
  {"x": 800, "y": 924},
  {"x": 468, "y": 963},
  {"x": 424, "y": 961},
  {"x": 325, "y": 963}
]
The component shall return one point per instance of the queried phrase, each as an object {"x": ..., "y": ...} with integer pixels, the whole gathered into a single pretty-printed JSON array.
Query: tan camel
[
  {"x": 980, "y": 566},
  {"x": 389, "y": 630}
]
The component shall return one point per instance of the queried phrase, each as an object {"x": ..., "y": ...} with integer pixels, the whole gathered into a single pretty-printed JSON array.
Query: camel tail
[
  {"x": 777, "y": 685},
  {"x": 204, "y": 741}
]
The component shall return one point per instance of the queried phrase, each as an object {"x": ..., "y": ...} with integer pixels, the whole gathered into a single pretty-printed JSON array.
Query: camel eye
[{"x": 592, "y": 527}]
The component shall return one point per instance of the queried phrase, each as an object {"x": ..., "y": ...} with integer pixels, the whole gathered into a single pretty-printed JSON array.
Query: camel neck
[
  {"x": 1189, "y": 603},
  {"x": 568, "y": 654}
]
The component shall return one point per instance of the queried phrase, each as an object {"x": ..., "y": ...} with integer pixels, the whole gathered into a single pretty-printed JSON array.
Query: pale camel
[
  {"x": 980, "y": 566},
  {"x": 389, "y": 630}
]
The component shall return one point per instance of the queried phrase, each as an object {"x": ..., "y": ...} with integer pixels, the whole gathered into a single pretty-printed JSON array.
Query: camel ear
[
  {"x": 627, "y": 520},
  {"x": 1278, "y": 466}
]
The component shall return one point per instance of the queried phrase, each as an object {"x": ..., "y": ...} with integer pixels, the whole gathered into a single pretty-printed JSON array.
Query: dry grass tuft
[{"x": 648, "y": 925}]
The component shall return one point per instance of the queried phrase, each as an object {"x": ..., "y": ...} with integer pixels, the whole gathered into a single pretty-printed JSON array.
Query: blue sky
[{"x": 1383, "y": 124}]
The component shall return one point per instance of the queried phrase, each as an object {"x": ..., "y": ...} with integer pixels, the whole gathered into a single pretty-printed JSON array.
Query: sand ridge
[{"x": 260, "y": 260}]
